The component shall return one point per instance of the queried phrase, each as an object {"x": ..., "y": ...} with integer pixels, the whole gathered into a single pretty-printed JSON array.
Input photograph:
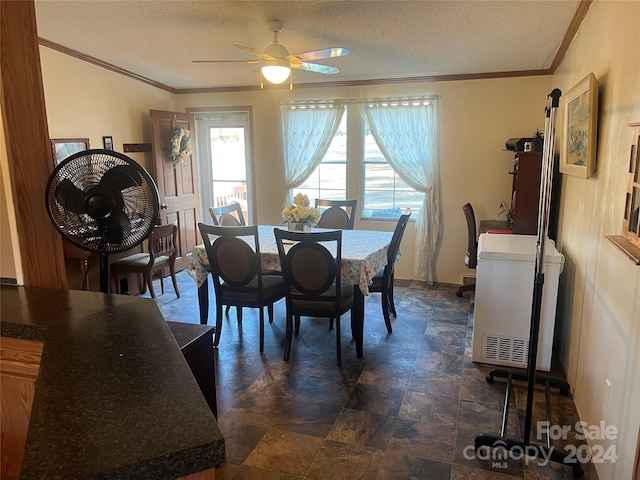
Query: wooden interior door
[{"x": 177, "y": 187}]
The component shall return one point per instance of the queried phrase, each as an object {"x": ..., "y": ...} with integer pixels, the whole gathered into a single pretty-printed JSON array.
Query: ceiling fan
[{"x": 277, "y": 62}]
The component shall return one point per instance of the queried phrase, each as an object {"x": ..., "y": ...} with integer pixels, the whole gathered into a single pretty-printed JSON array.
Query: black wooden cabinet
[{"x": 525, "y": 192}]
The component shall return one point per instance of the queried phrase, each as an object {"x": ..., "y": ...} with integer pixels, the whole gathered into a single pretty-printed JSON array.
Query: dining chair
[
  {"x": 312, "y": 280},
  {"x": 236, "y": 268},
  {"x": 227, "y": 215},
  {"x": 162, "y": 253},
  {"x": 471, "y": 257},
  {"x": 383, "y": 280},
  {"x": 339, "y": 214}
]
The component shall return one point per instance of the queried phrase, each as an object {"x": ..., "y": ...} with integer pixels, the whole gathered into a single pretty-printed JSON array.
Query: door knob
[{"x": 164, "y": 206}]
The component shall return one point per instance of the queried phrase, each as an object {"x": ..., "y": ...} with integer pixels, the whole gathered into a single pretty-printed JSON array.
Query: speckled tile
[
  {"x": 463, "y": 472},
  {"x": 247, "y": 472},
  {"x": 432, "y": 382},
  {"x": 337, "y": 460},
  {"x": 432, "y": 441},
  {"x": 384, "y": 375},
  {"x": 399, "y": 466},
  {"x": 439, "y": 362},
  {"x": 475, "y": 388},
  {"x": 406, "y": 410},
  {"x": 362, "y": 428},
  {"x": 239, "y": 439},
  {"x": 424, "y": 407},
  {"x": 284, "y": 452},
  {"x": 379, "y": 399},
  {"x": 310, "y": 418}
]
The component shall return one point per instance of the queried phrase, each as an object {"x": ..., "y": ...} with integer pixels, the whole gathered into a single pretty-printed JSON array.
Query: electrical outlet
[{"x": 607, "y": 393}]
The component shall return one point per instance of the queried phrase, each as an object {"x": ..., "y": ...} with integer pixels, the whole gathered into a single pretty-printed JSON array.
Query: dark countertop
[{"x": 114, "y": 396}]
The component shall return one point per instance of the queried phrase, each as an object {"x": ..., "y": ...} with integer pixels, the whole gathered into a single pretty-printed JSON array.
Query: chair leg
[
  {"x": 465, "y": 288},
  {"x": 172, "y": 269},
  {"x": 216, "y": 341},
  {"x": 385, "y": 310},
  {"x": 261, "y": 329},
  {"x": 239, "y": 314},
  {"x": 338, "y": 342},
  {"x": 161, "y": 282},
  {"x": 142, "y": 286},
  {"x": 331, "y": 323},
  {"x": 288, "y": 337},
  {"x": 149, "y": 279},
  {"x": 392, "y": 305},
  {"x": 297, "y": 319},
  {"x": 270, "y": 312},
  {"x": 227, "y": 309}
]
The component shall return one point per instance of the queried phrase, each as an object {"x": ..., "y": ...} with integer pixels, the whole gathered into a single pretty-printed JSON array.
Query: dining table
[{"x": 364, "y": 253}]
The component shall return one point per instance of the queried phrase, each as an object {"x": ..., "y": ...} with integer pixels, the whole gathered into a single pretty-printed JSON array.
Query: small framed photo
[
  {"x": 107, "y": 143},
  {"x": 578, "y": 151},
  {"x": 61, "y": 148}
]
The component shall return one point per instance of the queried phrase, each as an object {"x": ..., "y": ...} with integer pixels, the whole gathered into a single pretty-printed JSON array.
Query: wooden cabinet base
[{"x": 19, "y": 366}]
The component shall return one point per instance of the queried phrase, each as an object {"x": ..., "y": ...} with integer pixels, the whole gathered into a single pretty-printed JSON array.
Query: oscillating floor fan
[{"x": 103, "y": 202}]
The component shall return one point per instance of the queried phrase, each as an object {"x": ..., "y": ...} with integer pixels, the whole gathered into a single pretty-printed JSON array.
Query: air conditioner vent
[{"x": 506, "y": 349}]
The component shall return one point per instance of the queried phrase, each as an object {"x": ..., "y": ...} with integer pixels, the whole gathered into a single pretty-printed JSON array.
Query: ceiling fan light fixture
[{"x": 276, "y": 74}]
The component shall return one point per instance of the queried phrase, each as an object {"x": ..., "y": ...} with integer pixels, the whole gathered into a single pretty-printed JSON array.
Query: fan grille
[{"x": 102, "y": 201}]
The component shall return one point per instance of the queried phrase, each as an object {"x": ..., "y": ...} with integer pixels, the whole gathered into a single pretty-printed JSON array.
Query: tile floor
[{"x": 409, "y": 409}]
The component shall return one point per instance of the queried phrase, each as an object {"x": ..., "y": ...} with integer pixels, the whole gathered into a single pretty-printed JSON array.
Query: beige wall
[
  {"x": 599, "y": 304},
  {"x": 85, "y": 101},
  {"x": 477, "y": 117}
]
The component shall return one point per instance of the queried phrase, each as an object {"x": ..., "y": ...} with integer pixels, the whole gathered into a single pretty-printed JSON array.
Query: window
[
  {"x": 223, "y": 141},
  {"x": 354, "y": 165},
  {"x": 385, "y": 194},
  {"x": 329, "y": 179}
]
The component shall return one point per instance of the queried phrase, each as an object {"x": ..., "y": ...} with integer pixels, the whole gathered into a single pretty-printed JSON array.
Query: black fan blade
[
  {"x": 117, "y": 223},
  {"x": 71, "y": 197},
  {"x": 121, "y": 177}
]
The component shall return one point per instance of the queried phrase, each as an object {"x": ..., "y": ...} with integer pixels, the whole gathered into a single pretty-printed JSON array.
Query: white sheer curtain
[
  {"x": 307, "y": 131},
  {"x": 407, "y": 133}
]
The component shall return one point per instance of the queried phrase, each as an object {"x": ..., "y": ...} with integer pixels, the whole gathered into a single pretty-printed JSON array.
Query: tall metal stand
[{"x": 524, "y": 445}]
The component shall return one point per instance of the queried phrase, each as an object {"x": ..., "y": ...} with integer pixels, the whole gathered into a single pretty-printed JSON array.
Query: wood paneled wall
[{"x": 28, "y": 148}]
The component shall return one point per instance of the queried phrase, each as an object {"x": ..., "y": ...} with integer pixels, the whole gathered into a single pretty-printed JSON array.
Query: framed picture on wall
[
  {"x": 578, "y": 151},
  {"x": 61, "y": 148},
  {"x": 107, "y": 143}
]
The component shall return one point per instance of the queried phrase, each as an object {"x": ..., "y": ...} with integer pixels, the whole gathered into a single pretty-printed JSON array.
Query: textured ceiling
[{"x": 387, "y": 39}]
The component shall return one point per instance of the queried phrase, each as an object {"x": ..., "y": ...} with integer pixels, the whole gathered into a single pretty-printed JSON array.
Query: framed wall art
[
  {"x": 61, "y": 148},
  {"x": 107, "y": 143},
  {"x": 578, "y": 151}
]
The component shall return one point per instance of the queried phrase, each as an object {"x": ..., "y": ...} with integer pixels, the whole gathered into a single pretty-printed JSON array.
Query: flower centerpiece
[
  {"x": 180, "y": 147},
  {"x": 300, "y": 214}
]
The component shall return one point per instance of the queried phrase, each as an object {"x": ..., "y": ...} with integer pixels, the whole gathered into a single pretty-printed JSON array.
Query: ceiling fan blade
[
  {"x": 315, "y": 67},
  {"x": 255, "y": 52},
  {"x": 225, "y": 61},
  {"x": 318, "y": 54}
]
